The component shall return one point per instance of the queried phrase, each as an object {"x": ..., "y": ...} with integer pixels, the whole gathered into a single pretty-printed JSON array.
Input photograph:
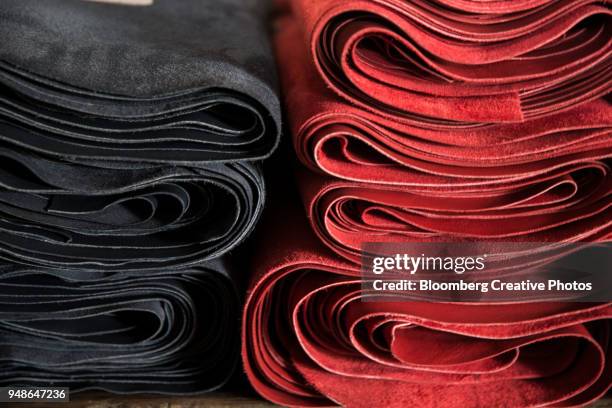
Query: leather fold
[
  {"x": 164, "y": 333},
  {"x": 130, "y": 148},
  {"x": 447, "y": 63},
  {"x": 130, "y": 136},
  {"x": 311, "y": 339},
  {"x": 172, "y": 83}
]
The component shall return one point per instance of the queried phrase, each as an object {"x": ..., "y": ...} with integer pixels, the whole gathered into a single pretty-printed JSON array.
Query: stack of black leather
[{"x": 129, "y": 146}]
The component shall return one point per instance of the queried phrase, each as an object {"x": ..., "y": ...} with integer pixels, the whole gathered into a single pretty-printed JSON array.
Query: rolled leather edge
[
  {"x": 321, "y": 20},
  {"x": 123, "y": 216},
  {"x": 169, "y": 332},
  {"x": 346, "y": 141},
  {"x": 280, "y": 364},
  {"x": 222, "y": 50},
  {"x": 336, "y": 210}
]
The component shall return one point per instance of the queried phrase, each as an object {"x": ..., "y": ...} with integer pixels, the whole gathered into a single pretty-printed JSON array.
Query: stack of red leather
[
  {"x": 449, "y": 62},
  {"x": 310, "y": 340},
  {"x": 435, "y": 121}
]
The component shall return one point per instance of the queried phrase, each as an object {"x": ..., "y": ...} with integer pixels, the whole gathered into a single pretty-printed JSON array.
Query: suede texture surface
[
  {"x": 432, "y": 63},
  {"x": 309, "y": 339},
  {"x": 129, "y": 134},
  {"x": 61, "y": 214},
  {"x": 174, "y": 82},
  {"x": 166, "y": 333},
  {"x": 433, "y": 121},
  {"x": 351, "y": 143},
  {"x": 130, "y": 141},
  {"x": 565, "y": 208},
  {"x": 546, "y": 179}
]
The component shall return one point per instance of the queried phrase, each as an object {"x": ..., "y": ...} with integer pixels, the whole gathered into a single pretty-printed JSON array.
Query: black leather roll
[
  {"x": 125, "y": 131},
  {"x": 180, "y": 81},
  {"x": 131, "y": 217},
  {"x": 129, "y": 138},
  {"x": 168, "y": 334}
]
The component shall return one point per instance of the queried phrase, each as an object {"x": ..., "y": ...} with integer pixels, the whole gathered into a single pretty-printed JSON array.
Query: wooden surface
[
  {"x": 102, "y": 400},
  {"x": 215, "y": 400},
  {"x": 220, "y": 400},
  {"x": 604, "y": 403}
]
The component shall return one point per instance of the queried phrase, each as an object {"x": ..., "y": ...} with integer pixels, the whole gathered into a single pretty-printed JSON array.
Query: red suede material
[
  {"x": 429, "y": 63},
  {"x": 556, "y": 207},
  {"x": 439, "y": 121},
  {"x": 348, "y": 142},
  {"x": 310, "y": 340},
  {"x": 546, "y": 179}
]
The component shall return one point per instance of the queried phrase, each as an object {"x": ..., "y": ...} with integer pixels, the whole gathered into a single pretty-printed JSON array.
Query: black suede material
[
  {"x": 129, "y": 147},
  {"x": 131, "y": 217},
  {"x": 160, "y": 333},
  {"x": 128, "y": 133},
  {"x": 181, "y": 81}
]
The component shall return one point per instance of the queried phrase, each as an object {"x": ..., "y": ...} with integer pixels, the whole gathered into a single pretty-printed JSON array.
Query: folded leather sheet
[
  {"x": 61, "y": 214},
  {"x": 541, "y": 180},
  {"x": 170, "y": 333},
  {"x": 439, "y": 121},
  {"x": 565, "y": 207},
  {"x": 352, "y": 143},
  {"x": 173, "y": 82},
  {"x": 310, "y": 340},
  {"x": 448, "y": 63},
  {"x": 127, "y": 132}
]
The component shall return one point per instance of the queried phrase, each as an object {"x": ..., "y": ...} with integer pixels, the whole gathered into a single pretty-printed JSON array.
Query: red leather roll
[
  {"x": 352, "y": 143},
  {"x": 447, "y": 63},
  {"x": 546, "y": 179},
  {"x": 309, "y": 339},
  {"x": 441, "y": 121},
  {"x": 566, "y": 206}
]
